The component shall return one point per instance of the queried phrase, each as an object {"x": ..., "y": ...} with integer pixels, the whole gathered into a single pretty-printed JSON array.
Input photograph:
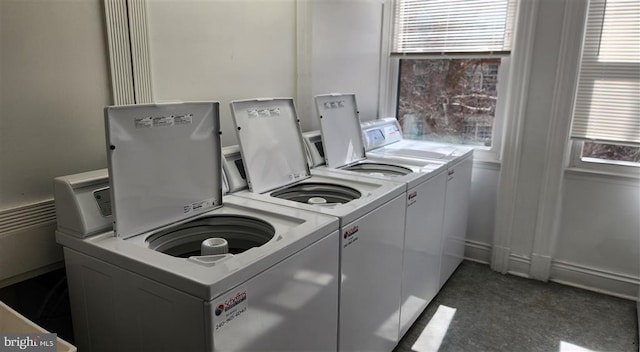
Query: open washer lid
[
  {"x": 341, "y": 133},
  {"x": 164, "y": 163},
  {"x": 271, "y": 142}
]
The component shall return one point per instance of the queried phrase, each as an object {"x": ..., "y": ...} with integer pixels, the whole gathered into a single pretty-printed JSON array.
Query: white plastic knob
[
  {"x": 316, "y": 200},
  {"x": 213, "y": 246}
]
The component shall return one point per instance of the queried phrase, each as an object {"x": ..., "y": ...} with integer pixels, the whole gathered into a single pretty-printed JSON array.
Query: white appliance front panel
[
  {"x": 114, "y": 309},
  {"x": 422, "y": 247},
  {"x": 291, "y": 306},
  {"x": 371, "y": 279},
  {"x": 455, "y": 216},
  {"x": 459, "y": 162}
]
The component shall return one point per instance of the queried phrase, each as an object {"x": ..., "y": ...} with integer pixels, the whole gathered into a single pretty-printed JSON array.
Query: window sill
[
  {"x": 487, "y": 163},
  {"x": 486, "y": 156},
  {"x": 633, "y": 178},
  {"x": 613, "y": 163}
]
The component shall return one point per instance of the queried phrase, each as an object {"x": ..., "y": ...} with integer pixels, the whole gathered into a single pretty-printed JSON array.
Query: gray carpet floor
[{"x": 481, "y": 310}]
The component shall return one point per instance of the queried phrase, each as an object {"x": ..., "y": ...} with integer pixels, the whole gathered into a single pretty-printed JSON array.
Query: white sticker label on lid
[
  {"x": 143, "y": 122},
  {"x": 336, "y": 104},
  {"x": 295, "y": 176},
  {"x": 186, "y": 119},
  {"x": 199, "y": 205},
  {"x": 162, "y": 121},
  {"x": 266, "y": 112},
  {"x": 251, "y": 113},
  {"x": 274, "y": 111}
]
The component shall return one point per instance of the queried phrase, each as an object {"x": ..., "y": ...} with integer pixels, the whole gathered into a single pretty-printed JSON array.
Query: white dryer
[
  {"x": 384, "y": 138},
  {"x": 371, "y": 214},
  {"x": 425, "y": 182},
  {"x": 162, "y": 278}
]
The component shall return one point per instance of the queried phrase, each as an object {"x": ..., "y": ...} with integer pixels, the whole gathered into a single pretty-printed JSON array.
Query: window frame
[
  {"x": 614, "y": 167},
  {"x": 492, "y": 153},
  {"x": 575, "y": 159},
  {"x": 390, "y": 78}
]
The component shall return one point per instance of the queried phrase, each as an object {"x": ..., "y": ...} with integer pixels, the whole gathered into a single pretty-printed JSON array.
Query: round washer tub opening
[
  {"x": 240, "y": 232},
  {"x": 379, "y": 169},
  {"x": 318, "y": 193}
]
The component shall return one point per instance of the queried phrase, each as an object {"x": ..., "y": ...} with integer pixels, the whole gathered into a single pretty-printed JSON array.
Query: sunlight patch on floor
[
  {"x": 569, "y": 347},
  {"x": 431, "y": 337}
]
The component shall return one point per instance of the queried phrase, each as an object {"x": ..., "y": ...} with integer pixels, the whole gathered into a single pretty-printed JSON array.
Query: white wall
[
  {"x": 594, "y": 233},
  {"x": 222, "y": 50},
  {"x": 600, "y": 223},
  {"x": 345, "y": 54},
  {"x": 482, "y": 211},
  {"x": 599, "y": 242},
  {"x": 227, "y": 50},
  {"x": 54, "y": 84}
]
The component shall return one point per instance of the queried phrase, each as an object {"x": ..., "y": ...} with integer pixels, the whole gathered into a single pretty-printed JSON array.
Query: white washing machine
[
  {"x": 384, "y": 138},
  {"x": 371, "y": 214},
  {"x": 184, "y": 268},
  {"x": 425, "y": 182}
]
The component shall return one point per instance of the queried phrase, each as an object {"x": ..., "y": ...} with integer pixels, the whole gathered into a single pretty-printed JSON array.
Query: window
[
  {"x": 452, "y": 58},
  {"x": 620, "y": 153},
  {"x": 448, "y": 100},
  {"x": 606, "y": 121}
]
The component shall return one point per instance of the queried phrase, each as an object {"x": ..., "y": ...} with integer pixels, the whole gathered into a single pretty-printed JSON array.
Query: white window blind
[
  {"x": 452, "y": 26},
  {"x": 607, "y": 107}
]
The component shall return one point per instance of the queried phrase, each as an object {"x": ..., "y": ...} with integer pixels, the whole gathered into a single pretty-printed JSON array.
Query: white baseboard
[
  {"x": 519, "y": 265},
  {"x": 598, "y": 280},
  {"x": 477, "y": 252},
  {"x": 540, "y": 267},
  {"x": 500, "y": 259},
  {"x": 482, "y": 253}
]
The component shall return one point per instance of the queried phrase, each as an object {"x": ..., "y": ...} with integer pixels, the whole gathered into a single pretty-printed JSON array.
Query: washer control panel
[
  {"x": 103, "y": 198},
  {"x": 314, "y": 148},
  {"x": 381, "y": 132},
  {"x": 233, "y": 168},
  {"x": 83, "y": 203}
]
